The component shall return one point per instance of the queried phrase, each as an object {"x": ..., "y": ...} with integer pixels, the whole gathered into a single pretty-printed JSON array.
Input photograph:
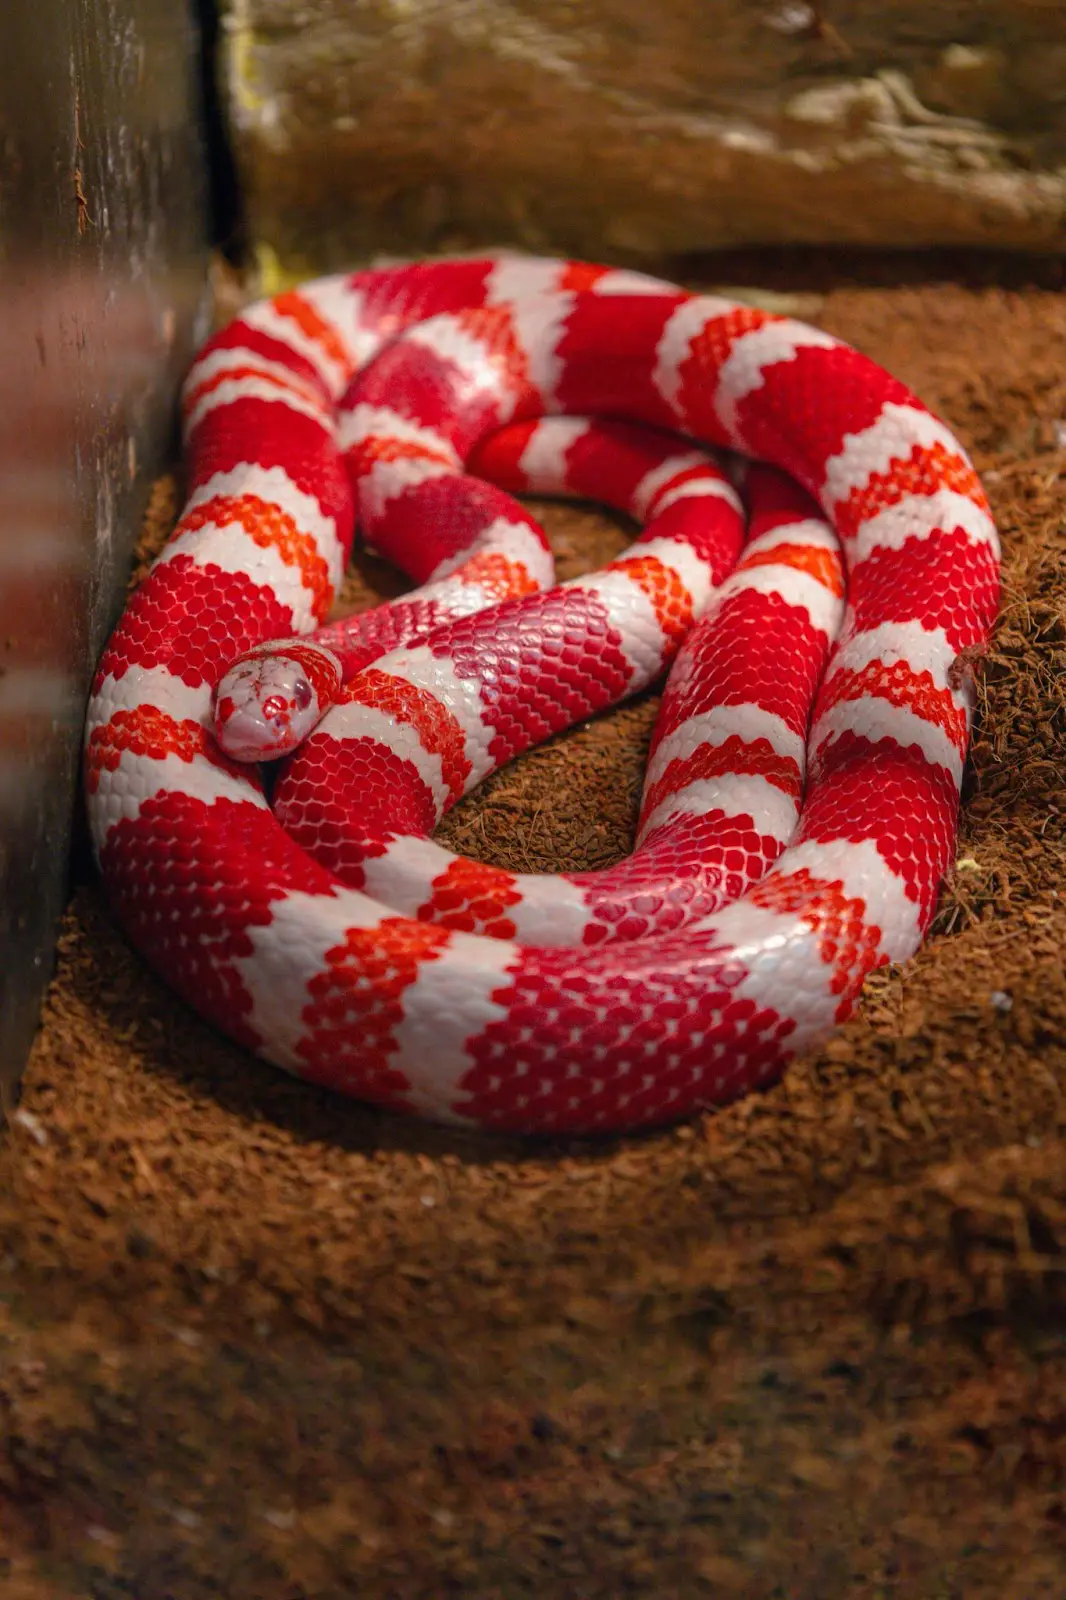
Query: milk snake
[{"x": 797, "y": 817}]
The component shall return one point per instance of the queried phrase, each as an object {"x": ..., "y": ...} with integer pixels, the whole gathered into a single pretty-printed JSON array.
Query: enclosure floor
[{"x": 256, "y": 1341}]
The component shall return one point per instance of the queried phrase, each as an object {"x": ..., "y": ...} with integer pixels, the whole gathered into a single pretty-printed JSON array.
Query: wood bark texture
[{"x": 626, "y": 130}]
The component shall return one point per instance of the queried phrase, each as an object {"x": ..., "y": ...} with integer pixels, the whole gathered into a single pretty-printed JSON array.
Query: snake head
[{"x": 272, "y": 697}]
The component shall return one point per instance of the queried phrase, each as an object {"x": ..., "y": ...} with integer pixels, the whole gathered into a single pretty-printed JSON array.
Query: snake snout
[{"x": 264, "y": 709}]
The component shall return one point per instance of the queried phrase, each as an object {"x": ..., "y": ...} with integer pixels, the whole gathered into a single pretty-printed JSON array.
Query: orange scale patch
[
  {"x": 290, "y": 384},
  {"x": 670, "y": 599},
  {"x": 714, "y": 343},
  {"x": 579, "y": 275},
  {"x": 357, "y": 1004},
  {"x": 148, "y": 731},
  {"x": 927, "y": 469},
  {"x": 271, "y": 529},
  {"x": 499, "y": 576},
  {"x": 845, "y": 942},
  {"x": 293, "y": 306},
  {"x": 472, "y": 897},
  {"x": 439, "y": 731},
  {"x": 364, "y": 455},
  {"x": 901, "y": 686},
  {"x": 494, "y": 330},
  {"x": 754, "y": 758},
  {"x": 821, "y": 565}
]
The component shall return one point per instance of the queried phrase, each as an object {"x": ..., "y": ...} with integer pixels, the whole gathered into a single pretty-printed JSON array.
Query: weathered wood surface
[
  {"x": 103, "y": 263},
  {"x": 635, "y": 130}
]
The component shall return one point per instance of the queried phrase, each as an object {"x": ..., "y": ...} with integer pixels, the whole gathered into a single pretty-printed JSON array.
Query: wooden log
[{"x": 635, "y": 131}]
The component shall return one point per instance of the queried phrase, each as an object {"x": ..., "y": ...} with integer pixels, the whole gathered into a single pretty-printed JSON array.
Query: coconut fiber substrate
[{"x": 261, "y": 1343}]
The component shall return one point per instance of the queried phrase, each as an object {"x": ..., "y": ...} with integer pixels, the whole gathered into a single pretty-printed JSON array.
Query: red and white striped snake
[{"x": 800, "y": 803}]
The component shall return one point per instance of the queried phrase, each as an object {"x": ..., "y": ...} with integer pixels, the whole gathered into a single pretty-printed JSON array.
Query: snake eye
[{"x": 301, "y": 694}]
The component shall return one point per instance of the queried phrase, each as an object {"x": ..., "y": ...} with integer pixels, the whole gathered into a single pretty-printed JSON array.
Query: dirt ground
[{"x": 256, "y": 1341}]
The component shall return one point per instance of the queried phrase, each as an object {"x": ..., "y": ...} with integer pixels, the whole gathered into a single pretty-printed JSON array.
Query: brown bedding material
[{"x": 259, "y": 1341}]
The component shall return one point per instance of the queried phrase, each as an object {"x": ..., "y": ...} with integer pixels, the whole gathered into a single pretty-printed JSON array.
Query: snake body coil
[{"x": 800, "y": 803}]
